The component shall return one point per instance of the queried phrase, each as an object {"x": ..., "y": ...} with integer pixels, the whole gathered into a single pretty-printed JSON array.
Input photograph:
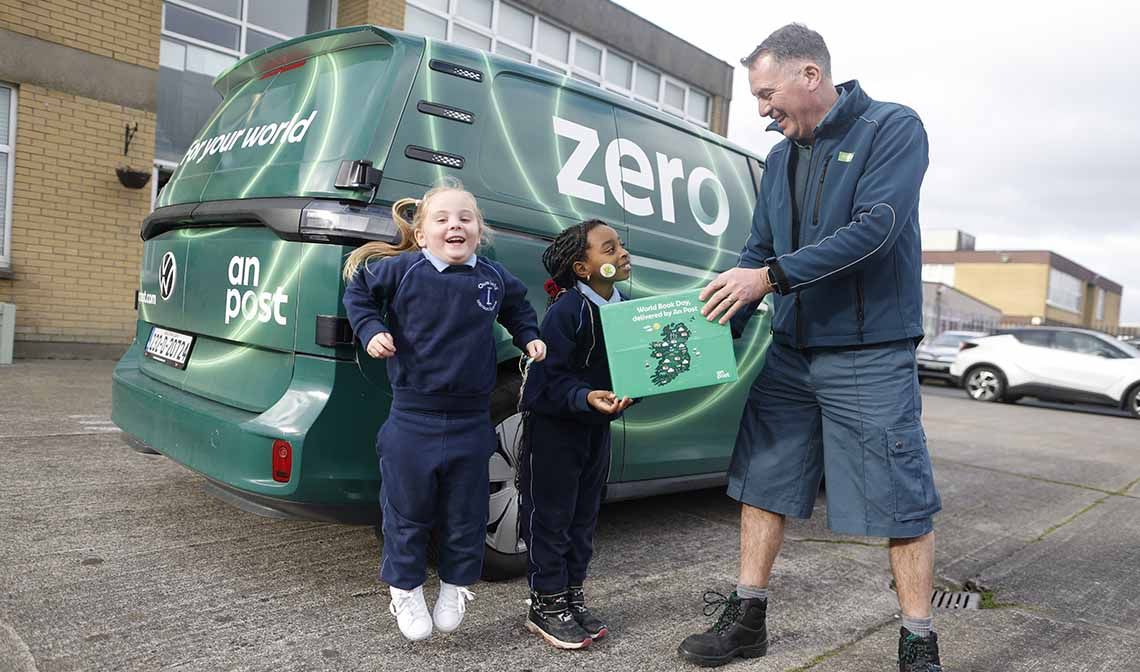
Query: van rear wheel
[{"x": 504, "y": 555}]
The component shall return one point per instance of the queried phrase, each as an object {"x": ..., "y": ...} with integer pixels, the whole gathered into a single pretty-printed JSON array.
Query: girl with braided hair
[
  {"x": 565, "y": 454},
  {"x": 428, "y": 305}
]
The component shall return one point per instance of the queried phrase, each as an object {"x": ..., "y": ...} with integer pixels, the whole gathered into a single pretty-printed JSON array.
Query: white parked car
[{"x": 1054, "y": 363}]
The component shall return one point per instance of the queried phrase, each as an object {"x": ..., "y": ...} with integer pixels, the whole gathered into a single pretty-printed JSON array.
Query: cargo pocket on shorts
[{"x": 912, "y": 479}]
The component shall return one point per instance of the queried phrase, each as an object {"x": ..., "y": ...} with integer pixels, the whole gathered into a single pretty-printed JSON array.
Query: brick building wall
[
  {"x": 82, "y": 71},
  {"x": 125, "y": 30},
  {"x": 388, "y": 13}
]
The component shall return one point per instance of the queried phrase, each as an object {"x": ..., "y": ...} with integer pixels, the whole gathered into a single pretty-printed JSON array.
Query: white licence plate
[{"x": 169, "y": 347}]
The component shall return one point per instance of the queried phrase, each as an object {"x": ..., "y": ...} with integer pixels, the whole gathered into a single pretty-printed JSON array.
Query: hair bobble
[{"x": 551, "y": 288}]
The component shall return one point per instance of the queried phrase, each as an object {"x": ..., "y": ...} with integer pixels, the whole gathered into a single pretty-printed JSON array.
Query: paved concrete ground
[{"x": 111, "y": 559}]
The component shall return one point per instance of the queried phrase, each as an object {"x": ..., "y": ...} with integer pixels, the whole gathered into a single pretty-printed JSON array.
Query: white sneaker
[
  {"x": 450, "y": 606},
  {"x": 411, "y": 612}
]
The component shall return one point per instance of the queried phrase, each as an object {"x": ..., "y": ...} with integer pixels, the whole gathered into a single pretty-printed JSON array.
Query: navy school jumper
[
  {"x": 434, "y": 447},
  {"x": 566, "y": 456}
]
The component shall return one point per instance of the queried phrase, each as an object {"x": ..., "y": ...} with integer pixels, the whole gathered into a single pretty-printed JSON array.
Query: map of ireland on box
[{"x": 663, "y": 344}]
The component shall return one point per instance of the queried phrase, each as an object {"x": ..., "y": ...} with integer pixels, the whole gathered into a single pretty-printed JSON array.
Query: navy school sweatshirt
[
  {"x": 442, "y": 323},
  {"x": 575, "y": 362}
]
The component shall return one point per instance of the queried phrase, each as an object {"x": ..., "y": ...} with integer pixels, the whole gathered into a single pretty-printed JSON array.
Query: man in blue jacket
[{"x": 835, "y": 236}]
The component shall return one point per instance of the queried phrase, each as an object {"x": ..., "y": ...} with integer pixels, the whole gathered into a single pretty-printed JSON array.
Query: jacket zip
[
  {"x": 859, "y": 315},
  {"x": 819, "y": 194}
]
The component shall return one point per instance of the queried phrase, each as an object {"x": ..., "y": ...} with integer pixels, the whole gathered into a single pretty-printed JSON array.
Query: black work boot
[
  {"x": 740, "y": 632},
  {"x": 595, "y": 627},
  {"x": 918, "y": 654},
  {"x": 550, "y": 618}
]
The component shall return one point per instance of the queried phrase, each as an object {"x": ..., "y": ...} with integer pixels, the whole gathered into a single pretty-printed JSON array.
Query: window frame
[
  {"x": 1080, "y": 291},
  {"x": 569, "y": 68},
  {"x": 9, "y": 185},
  {"x": 243, "y": 25}
]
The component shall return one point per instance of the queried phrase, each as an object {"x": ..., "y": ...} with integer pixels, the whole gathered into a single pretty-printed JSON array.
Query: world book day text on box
[{"x": 659, "y": 311}]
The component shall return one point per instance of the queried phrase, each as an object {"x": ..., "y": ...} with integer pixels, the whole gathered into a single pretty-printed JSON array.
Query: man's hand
[
  {"x": 536, "y": 350},
  {"x": 607, "y": 402},
  {"x": 381, "y": 346},
  {"x": 733, "y": 290}
]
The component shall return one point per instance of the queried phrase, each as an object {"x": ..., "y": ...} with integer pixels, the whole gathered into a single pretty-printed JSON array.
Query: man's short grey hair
[{"x": 793, "y": 42}]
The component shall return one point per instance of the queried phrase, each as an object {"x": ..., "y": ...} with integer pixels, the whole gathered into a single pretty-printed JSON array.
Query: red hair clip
[{"x": 551, "y": 288}]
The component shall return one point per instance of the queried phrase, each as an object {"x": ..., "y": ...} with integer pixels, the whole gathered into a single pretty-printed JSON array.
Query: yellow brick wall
[
  {"x": 75, "y": 230},
  {"x": 388, "y": 13},
  {"x": 1060, "y": 316},
  {"x": 125, "y": 30},
  {"x": 1111, "y": 321},
  {"x": 1017, "y": 289}
]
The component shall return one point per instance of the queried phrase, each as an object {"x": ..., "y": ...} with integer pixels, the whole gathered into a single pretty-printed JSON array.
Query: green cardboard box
[{"x": 663, "y": 344}]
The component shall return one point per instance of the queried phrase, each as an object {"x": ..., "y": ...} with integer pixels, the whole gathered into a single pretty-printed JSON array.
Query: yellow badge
[{"x": 846, "y": 157}]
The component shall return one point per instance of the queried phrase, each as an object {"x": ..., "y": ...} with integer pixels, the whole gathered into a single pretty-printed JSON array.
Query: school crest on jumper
[{"x": 488, "y": 297}]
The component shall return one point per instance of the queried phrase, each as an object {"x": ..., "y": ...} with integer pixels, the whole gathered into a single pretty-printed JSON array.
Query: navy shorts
[{"x": 854, "y": 415}]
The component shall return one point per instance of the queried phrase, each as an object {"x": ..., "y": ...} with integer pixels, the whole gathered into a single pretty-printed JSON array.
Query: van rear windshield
[{"x": 286, "y": 132}]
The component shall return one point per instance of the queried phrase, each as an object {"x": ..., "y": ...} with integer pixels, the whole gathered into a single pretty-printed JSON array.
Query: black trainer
[
  {"x": 550, "y": 618},
  {"x": 595, "y": 627},
  {"x": 918, "y": 654},
  {"x": 740, "y": 632}
]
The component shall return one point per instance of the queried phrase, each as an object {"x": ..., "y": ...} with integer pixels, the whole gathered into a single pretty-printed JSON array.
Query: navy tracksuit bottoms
[
  {"x": 562, "y": 474},
  {"x": 433, "y": 475}
]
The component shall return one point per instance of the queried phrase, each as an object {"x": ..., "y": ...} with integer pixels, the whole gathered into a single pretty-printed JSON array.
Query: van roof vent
[
  {"x": 433, "y": 156},
  {"x": 456, "y": 70},
  {"x": 447, "y": 112}
]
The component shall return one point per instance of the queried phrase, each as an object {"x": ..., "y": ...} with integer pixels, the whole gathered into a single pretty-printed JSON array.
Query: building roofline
[
  {"x": 1046, "y": 257},
  {"x": 965, "y": 294}
]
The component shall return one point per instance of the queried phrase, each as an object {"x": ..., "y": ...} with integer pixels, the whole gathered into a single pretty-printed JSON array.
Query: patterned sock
[
  {"x": 751, "y": 592},
  {"x": 919, "y": 626}
]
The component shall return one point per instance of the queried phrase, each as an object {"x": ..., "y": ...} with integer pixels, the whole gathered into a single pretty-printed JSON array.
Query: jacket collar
[
  {"x": 852, "y": 102},
  {"x": 596, "y": 298}
]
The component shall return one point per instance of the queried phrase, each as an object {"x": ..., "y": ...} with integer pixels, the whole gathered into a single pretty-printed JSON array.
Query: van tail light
[
  {"x": 282, "y": 461},
  {"x": 338, "y": 221}
]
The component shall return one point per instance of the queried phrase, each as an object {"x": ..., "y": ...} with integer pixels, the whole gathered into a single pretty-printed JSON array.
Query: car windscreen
[{"x": 1129, "y": 349}]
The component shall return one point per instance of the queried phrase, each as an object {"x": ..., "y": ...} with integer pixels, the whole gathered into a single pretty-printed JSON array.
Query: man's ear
[
  {"x": 813, "y": 75},
  {"x": 581, "y": 270}
]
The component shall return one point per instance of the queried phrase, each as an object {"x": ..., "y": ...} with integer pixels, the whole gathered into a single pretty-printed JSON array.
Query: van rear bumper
[{"x": 334, "y": 476}]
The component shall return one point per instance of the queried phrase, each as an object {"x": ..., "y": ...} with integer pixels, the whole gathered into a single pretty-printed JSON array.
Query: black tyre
[
  {"x": 1132, "y": 401},
  {"x": 984, "y": 383},
  {"x": 504, "y": 555}
]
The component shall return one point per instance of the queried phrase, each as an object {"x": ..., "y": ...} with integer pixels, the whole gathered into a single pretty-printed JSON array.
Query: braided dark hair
[{"x": 559, "y": 257}]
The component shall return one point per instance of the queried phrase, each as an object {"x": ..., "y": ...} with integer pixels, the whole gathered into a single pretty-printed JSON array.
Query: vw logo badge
[{"x": 167, "y": 274}]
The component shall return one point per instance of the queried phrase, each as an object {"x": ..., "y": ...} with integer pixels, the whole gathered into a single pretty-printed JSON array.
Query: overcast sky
[{"x": 1031, "y": 109}]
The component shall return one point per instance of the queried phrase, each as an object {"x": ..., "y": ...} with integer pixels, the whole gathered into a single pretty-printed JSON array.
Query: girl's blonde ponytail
[
  {"x": 418, "y": 208},
  {"x": 376, "y": 249}
]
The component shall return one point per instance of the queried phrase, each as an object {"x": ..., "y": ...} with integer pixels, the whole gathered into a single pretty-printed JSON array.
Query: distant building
[
  {"x": 1028, "y": 286},
  {"x": 945, "y": 308}
]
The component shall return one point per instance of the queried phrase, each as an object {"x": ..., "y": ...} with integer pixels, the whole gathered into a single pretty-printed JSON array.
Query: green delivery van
[{"x": 243, "y": 367}]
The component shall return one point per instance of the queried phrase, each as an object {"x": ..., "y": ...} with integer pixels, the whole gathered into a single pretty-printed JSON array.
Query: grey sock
[
  {"x": 919, "y": 626},
  {"x": 751, "y": 592}
]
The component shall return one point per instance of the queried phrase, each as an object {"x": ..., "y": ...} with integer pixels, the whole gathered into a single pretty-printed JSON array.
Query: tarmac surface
[{"x": 116, "y": 560}]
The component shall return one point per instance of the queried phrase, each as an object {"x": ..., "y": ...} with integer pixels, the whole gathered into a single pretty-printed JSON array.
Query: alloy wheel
[
  {"x": 983, "y": 385},
  {"x": 502, "y": 522}
]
